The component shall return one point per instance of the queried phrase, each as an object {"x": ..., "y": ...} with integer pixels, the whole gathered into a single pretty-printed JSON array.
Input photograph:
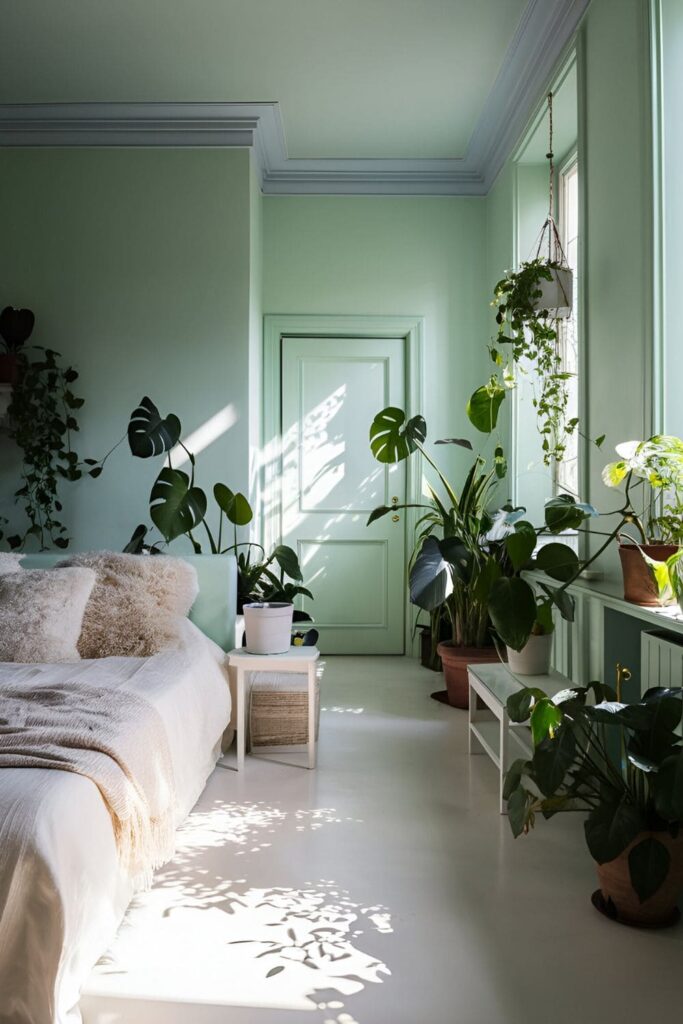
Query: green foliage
[
  {"x": 469, "y": 561},
  {"x": 42, "y": 417},
  {"x": 572, "y": 769},
  {"x": 657, "y": 466},
  {"x": 16, "y": 327},
  {"x": 484, "y": 405}
]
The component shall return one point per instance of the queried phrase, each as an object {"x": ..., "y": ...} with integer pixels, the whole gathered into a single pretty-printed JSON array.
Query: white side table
[
  {"x": 490, "y": 729},
  {"x": 296, "y": 659}
]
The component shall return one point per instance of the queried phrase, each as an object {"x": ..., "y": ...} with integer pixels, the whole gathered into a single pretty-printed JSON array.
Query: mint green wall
[
  {"x": 255, "y": 339},
  {"x": 137, "y": 264},
  {"x": 615, "y": 147},
  {"x": 401, "y": 256}
]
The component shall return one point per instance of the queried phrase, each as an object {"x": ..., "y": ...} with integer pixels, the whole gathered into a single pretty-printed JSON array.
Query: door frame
[{"x": 276, "y": 327}]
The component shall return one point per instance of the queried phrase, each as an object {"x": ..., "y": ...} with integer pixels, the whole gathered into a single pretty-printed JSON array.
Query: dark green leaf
[
  {"x": 564, "y": 513},
  {"x": 545, "y": 720},
  {"x": 513, "y": 776},
  {"x": 610, "y": 828},
  {"x": 669, "y": 788},
  {"x": 484, "y": 404},
  {"x": 520, "y": 544},
  {"x": 288, "y": 561},
  {"x": 391, "y": 440},
  {"x": 648, "y": 864},
  {"x": 176, "y": 508},
  {"x": 430, "y": 577},
  {"x": 461, "y": 441},
  {"x": 518, "y": 810},
  {"x": 552, "y": 760},
  {"x": 512, "y": 607},
  {"x": 149, "y": 434},
  {"x": 558, "y": 561}
]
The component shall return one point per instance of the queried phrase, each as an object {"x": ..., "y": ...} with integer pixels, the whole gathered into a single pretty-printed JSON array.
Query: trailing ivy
[{"x": 42, "y": 421}]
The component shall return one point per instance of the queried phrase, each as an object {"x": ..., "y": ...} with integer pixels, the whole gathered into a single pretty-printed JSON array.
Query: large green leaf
[
  {"x": 236, "y": 507},
  {"x": 392, "y": 439},
  {"x": 176, "y": 507},
  {"x": 519, "y": 804},
  {"x": 512, "y": 607},
  {"x": 610, "y": 828},
  {"x": 562, "y": 600},
  {"x": 546, "y": 718},
  {"x": 628, "y": 716},
  {"x": 431, "y": 581},
  {"x": 514, "y": 775},
  {"x": 288, "y": 561},
  {"x": 564, "y": 513},
  {"x": 484, "y": 405},
  {"x": 558, "y": 561},
  {"x": 648, "y": 863},
  {"x": 552, "y": 760},
  {"x": 151, "y": 434},
  {"x": 520, "y": 544}
]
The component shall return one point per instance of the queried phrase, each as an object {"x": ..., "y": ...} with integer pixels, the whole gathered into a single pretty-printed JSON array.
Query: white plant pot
[
  {"x": 557, "y": 295},
  {"x": 268, "y": 627},
  {"x": 534, "y": 659}
]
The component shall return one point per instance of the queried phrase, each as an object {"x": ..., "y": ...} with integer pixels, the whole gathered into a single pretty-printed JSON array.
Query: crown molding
[{"x": 543, "y": 34}]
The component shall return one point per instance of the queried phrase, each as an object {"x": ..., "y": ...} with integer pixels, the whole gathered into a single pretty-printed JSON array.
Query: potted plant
[
  {"x": 633, "y": 801},
  {"x": 535, "y": 657},
  {"x": 16, "y": 326},
  {"x": 654, "y": 468},
  {"x": 470, "y": 559}
]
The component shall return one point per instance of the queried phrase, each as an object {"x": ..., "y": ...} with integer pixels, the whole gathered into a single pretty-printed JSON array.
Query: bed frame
[{"x": 215, "y": 609}]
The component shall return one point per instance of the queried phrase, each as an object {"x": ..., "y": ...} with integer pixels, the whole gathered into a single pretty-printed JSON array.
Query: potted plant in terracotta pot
[
  {"x": 16, "y": 326},
  {"x": 470, "y": 557},
  {"x": 651, "y": 472},
  {"x": 623, "y": 765}
]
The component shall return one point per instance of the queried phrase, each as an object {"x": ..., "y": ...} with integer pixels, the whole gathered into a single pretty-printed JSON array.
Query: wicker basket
[{"x": 278, "y": 710}]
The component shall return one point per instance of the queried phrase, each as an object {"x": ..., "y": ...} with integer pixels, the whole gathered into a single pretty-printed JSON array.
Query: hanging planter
[{"x": 557, "y": 294}]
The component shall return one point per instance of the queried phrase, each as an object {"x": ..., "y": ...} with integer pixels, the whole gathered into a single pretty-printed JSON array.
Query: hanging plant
[
  {"x": 41, "y": 422},
  {"x": 530, "y": 303}
]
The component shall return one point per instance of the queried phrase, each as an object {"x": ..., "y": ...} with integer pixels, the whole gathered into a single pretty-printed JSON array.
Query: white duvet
[{"x": 62, "y": 890}]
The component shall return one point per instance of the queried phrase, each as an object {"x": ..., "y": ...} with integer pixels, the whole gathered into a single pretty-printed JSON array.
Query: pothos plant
[
  {"x": 528, "y": 334},
  {"x": 42, "y": 421},
  {"x": 178, "y": 508}
]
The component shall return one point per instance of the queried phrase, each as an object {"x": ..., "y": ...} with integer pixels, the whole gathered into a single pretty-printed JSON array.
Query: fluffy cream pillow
[
  {"x": 41, "y": 613},
  {"x": 135, "y": 604},
  {"x": 9, "y": 562}
]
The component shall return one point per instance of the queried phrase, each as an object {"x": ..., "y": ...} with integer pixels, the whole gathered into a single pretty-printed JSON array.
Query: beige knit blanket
[{"x": 113, "y": 737}]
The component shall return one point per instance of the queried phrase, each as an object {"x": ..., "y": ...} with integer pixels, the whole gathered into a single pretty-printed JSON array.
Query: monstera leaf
[
  {"x": 236, "y": 507},
  {"x": 392, "y": 439},
  {"x": 149, "y": 433},
  {"x": 176, "y": 506}
]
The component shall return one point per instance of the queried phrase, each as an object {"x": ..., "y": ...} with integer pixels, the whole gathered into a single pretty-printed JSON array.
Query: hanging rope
[{"x": 555, "y": 250}]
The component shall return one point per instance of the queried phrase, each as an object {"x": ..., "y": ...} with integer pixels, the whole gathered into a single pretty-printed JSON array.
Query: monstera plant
[
  {"x": 622, "y": 765},
  {"x": 471, "y": 553},
  {"x": 178, "y": 508}
]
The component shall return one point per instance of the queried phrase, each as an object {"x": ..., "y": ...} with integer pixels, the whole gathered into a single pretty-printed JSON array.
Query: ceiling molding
[{"x": 543, "y": 34}]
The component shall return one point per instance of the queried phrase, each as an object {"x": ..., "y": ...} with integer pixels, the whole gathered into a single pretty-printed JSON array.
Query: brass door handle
[
  {"x": 395, "y": 519},
  {"x": 394, "y": 501}
]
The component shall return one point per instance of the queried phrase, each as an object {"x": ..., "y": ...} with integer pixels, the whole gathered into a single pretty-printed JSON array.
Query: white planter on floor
[
  {"x": 268, "y": 627},
  {"x": 534, "y": 659},
  {"x": 557, "y": 295}
]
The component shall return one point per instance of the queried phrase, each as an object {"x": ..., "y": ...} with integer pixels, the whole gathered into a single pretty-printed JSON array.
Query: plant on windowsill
[
  {"x": 634, "y": 804},
  {"x": 470, "y": 561},
  {"x": 654, "y": 469},
  {"x": 42, "y": 420}
]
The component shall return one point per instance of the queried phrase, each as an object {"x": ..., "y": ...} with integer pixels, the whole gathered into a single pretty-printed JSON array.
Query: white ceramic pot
[
  {"x": 268, "y": 626},
  {"x": 557, "y": 295},
  {"x": 534, "y": 659}
]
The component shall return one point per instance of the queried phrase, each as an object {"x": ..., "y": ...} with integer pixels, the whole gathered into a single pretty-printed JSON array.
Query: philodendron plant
[
  {"x": 635, "y": 800},
  {"x": 654, "y": 466},
  {"x": 470, "y": 557},
  {"x": 178, "y": 508}
]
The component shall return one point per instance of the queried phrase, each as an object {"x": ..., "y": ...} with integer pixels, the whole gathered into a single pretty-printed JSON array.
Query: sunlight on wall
[{"x": 204, "y": 436}]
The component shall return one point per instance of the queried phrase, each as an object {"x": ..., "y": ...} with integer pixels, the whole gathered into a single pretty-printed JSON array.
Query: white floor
[{"x": 384, "y": 888}]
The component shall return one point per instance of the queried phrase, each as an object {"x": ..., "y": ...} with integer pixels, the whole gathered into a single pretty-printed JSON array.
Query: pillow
[
  {"x": 41, "y": 613},
  {"x": 135, "y": 603},
  {"x": 9, "y": 563}
]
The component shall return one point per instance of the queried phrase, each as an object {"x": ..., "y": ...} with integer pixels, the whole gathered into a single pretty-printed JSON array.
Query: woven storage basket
[{"x": 278, "y": 709}]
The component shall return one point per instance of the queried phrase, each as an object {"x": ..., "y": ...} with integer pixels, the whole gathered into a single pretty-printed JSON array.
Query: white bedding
[{"x": 62, "y": 890}]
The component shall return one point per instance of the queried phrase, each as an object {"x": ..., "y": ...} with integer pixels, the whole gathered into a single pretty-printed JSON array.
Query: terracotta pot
[
  {"x": 455, "y": 661},
  {"x": 639, "y": 587},
  {"x": 622, "y": 901},
  {"x": 534, "y": 658},
  {"x": 8, "y": 367}
]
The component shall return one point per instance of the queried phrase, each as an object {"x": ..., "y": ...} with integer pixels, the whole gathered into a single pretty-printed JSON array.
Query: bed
[{"x": 63, "y": 891}]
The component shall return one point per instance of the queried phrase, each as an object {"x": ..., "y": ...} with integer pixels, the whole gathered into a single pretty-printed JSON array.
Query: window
[{"x": 567, "y": 472}]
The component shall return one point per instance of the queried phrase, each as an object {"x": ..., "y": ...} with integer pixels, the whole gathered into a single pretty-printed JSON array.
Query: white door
[{"x": 332, "y": 388}]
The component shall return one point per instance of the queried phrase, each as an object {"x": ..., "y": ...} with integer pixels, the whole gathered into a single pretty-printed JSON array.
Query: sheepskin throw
[
  {"x": 135, "y": 604},
  {"x": 112, "y": 736},
  {"x": 9, "y": 562},
  {"x": 41, "y": 613}
]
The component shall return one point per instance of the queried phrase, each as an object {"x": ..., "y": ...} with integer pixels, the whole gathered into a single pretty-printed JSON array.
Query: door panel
[{"x": 331, "y": 390}]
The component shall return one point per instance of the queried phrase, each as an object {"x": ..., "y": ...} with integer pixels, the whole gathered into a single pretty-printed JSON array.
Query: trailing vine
[{"x": 42, "y": 421}]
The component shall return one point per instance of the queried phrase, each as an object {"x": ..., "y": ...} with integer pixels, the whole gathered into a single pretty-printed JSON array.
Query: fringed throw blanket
[{"x": 113, "y": 737}]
